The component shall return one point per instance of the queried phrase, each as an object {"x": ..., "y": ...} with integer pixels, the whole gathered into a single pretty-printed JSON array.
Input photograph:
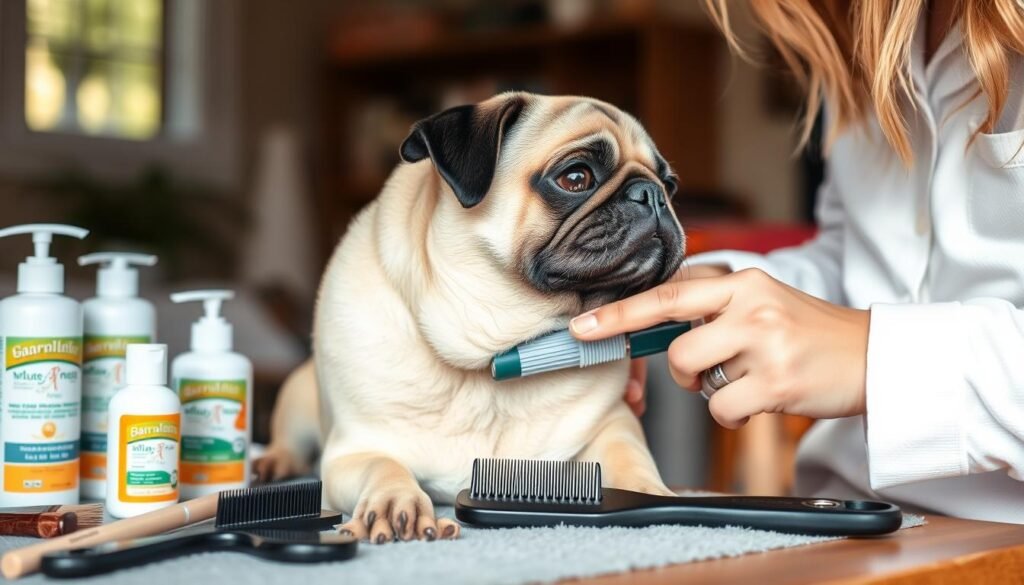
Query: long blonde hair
[{"x": 854, "y": 54}]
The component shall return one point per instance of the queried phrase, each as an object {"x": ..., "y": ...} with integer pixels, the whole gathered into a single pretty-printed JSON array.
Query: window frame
[
  {"x": 81, "y": 54},
  {"x": 199, "y": 113}
]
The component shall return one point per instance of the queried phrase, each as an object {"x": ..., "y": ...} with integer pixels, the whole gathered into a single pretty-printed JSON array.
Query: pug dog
[{"x": 505, "y": 219}]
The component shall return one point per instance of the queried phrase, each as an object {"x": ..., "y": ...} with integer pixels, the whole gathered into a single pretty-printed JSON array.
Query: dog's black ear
[{"x": 464, "y": 143}]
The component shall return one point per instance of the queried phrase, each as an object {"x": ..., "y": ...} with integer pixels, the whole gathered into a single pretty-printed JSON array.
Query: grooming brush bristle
[
  {"x": 87, "y": 515},
  {"x": 268, "y": 503},
  {"x": 550, "y": 482}
]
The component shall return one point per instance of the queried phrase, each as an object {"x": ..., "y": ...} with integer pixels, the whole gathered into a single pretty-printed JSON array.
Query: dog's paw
[
  {"x": 277, "y": 464},
  {"x": 398, "y": 514}
]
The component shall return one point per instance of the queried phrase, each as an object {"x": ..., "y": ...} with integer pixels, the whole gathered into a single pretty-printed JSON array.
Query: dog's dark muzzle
[
  {"x": 629, "y": 243},
  {"x": 648, "y": 195}
]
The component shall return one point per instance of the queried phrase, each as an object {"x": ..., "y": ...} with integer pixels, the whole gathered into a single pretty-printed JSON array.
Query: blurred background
[{"x": 236, "y": 138}]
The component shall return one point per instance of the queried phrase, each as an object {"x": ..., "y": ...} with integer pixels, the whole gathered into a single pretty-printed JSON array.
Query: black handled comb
[
  {"x": 280, "y": 522},
  {"x": 515, "y": 492}
]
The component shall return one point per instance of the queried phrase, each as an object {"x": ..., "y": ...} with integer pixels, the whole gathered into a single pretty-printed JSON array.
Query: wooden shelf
[
  {"x": 504, "y": 42},
  {"x": 662, "y": 71}
]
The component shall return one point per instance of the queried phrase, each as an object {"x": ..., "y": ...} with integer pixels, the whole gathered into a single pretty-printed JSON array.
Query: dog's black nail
[
  {"x": 381, "y": 538},
  {"x": 370, "y": 518},
  {"x": 345, "y": 532},
  {"x": 403, "y": 520},
  {"x": 430, "y": 533},
  {"x": 449, "y": 530}
]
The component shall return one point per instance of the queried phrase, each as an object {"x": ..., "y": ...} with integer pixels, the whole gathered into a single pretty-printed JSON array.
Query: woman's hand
[
  {"x": 636, "y": 386},
  {"x": 782, "y": 350}
]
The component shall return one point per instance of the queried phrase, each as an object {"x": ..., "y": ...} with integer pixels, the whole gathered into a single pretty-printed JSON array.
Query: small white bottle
[
  {"x": 40, "y": 379},
  {"x": 143, "y": 436},
  {"x": 114, "y": 318},
  {"x": 215, "y": 387}
]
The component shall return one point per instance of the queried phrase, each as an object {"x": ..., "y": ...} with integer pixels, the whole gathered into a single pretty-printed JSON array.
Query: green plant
[{"x": 185, "y": 224}]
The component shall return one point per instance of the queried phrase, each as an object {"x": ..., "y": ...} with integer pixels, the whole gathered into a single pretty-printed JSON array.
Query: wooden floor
[{"x": 946, "y": 550}]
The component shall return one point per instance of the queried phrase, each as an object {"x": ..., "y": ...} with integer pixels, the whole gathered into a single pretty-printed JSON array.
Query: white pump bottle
[
  {"x": 115, "y": 317},
  {"x": 40, "y": 378},
  {"x": 215, "y": 388}
]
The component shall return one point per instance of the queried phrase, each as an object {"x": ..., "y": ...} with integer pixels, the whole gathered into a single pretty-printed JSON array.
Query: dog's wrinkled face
[
  {"x": 575, "y": 195},
  {"x": 608, "y": 190}
]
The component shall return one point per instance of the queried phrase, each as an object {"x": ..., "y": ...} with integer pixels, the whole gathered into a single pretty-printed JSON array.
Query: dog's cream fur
[{"x": 417, "y": 298}]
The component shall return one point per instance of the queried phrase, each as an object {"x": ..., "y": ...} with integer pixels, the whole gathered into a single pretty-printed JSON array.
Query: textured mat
[{"x": 506, "y": 557}]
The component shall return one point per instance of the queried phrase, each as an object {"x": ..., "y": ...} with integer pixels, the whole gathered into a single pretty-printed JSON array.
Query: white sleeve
[
  {"x": 814, "y": 267},
  {"x": 945, "y": 391}
]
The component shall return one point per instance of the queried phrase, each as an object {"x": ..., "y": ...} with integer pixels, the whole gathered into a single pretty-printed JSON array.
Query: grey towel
[{"x": 507, "y": 557}]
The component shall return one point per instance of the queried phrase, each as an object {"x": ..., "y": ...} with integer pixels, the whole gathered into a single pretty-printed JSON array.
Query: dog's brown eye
[{"x": 576, "y": 180}]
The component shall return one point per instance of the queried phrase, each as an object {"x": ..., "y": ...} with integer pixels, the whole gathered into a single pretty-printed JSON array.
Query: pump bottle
[
  {"x": 215, "y": 387},
  {"x": 115, "y": 317},
  {"x": 143, "y": 436},
  {"x": 40, "y": 379}
]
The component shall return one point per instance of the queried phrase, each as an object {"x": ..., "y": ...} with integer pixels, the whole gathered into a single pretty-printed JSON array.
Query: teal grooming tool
[{"x": 560, "y": 350}]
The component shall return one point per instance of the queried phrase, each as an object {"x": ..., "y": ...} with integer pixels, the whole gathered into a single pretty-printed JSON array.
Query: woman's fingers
[
  {"x": 636, "y": 386},
  {"x": 778, "y": 346},
  {"x": 704, "y": 347},
  {"x": 684, "y": 381},
  {"x": 736, "y": 402},
  {"x": 671, "y": 301},
  {"x": 635, "y": 399},
  {"x": 638, "y": 371},
  {"x": 687, "y": 272}
]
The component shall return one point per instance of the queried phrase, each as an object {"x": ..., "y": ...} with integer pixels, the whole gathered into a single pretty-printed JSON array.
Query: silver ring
[{"x": 716, "y": 378}]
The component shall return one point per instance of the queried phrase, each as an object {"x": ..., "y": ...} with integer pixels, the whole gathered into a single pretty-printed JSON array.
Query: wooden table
[{"x": 946, "y": 550}]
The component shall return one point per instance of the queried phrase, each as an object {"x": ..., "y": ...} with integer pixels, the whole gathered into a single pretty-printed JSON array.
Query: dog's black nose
[{"x": 648, "y": 194}]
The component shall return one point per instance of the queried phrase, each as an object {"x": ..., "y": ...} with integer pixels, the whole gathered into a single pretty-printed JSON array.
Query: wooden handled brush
[
  {"x": 49, "y": 521},
  {"x": 267, "y": 502},
  {"x": 280, "y": 523},
  {"x": 23, "y": 561}
]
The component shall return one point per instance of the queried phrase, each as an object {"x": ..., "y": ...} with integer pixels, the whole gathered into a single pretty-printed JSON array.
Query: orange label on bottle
[
  {"x": 203, "y": 473},
  {"x": 149, "y": 457},
  {"x": 28, "y": 479},
  {"x": 94, "y": 465}
]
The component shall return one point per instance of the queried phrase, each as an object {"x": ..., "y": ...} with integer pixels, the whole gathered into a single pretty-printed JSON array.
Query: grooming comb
[
  {"x": 280, "y": 523},
  {"x": 515, "y": 492},
  {"x": 559, "y": 350}
]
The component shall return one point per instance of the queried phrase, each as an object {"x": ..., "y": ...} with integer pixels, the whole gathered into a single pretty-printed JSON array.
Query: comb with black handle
[
  {"x": 281, "y": 523},
  {"x": 515, "y": 492}
]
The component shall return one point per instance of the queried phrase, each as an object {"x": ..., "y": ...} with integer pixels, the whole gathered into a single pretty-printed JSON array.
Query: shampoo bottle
[
  {"x": 143, "y": 436},
  {"x": 115, "y": 317},
  {"x": 40, "y": 379},
  {"x": 215, "y": 387}
]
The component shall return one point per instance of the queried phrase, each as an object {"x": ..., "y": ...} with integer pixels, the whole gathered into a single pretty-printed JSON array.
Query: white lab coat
[{"x": 937, "y": 253}]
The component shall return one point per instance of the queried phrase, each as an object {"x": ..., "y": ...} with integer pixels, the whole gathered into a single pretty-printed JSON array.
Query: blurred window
[
  {"x": 95, "y": 67},
  {"x": 116, "y": 87}
]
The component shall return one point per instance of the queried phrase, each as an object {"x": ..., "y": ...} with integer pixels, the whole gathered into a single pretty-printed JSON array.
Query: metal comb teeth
[
  {"x": 268, "y": 503},
  {"x": 534, "y": 481}
]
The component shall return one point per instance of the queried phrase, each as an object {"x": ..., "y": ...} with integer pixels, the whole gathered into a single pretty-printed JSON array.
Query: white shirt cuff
[{"x": 916, "y": 394}]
